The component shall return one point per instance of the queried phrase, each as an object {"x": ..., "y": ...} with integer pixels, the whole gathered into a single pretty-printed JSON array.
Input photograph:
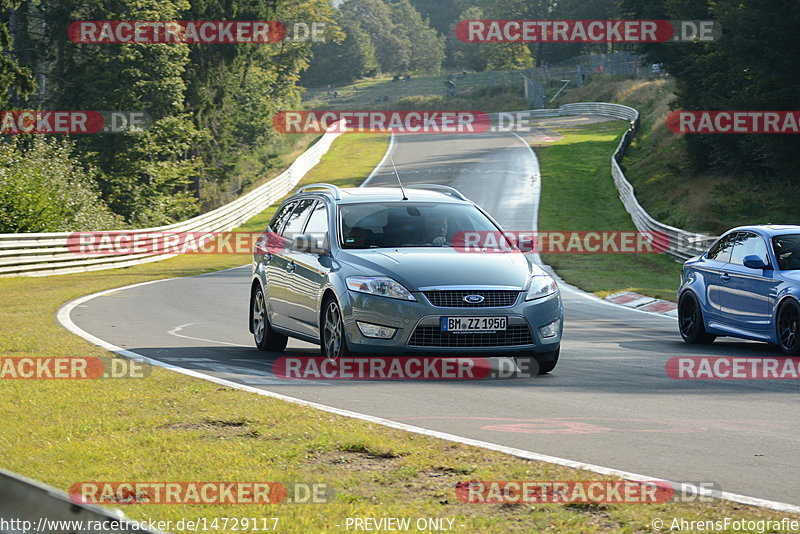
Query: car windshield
[
  {"x": 787, "y": 250},
  {"x": 408, "y": 224}
]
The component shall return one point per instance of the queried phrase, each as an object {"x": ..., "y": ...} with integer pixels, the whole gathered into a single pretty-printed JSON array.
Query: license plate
[{"x": 464, "y": 325}]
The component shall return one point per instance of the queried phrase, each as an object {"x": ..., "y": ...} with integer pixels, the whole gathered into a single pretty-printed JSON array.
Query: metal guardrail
[
  {"x": 678, "y": 243},
  {"x": 44, "y": 254},
  {"x": 30, "y": 506}
]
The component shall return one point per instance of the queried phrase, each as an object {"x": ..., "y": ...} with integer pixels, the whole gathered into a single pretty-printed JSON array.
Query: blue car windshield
[
  {"x": 787, "y": 250},
  {"x": 408, "y": 224}
]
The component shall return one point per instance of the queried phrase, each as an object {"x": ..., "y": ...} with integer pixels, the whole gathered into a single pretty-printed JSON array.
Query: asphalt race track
[{"x": 609, "y": 402}]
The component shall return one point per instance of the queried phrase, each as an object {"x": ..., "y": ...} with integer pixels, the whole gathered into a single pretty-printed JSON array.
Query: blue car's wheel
[
  {"x": 690, "y": 321},
  {"x": 788, "y": 324}
]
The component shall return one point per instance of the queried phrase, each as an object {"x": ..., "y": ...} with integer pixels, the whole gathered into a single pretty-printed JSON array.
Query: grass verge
[
  {"x": 578, "y": 193},
  {"x": 170, "y": 427},
  {"x": 480, "y": 91},
  {"x": 668, "y": 186}
]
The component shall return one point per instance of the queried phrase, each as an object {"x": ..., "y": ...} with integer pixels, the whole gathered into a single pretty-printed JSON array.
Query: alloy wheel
[
  {"x": 334, "y": 331},
  {"x": 789, "y": 327}
]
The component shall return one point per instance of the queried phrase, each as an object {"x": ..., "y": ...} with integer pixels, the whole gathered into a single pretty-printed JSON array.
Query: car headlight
[
  {"x": 542, "y": 285},
  {"x": 383, "y": 286}
]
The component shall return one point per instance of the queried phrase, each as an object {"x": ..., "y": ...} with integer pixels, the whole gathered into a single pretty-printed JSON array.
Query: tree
[
  {"x": 426, "y": 45},
  {"x": 13, "y": 77},
  {"x": 351, "y": 58},
  {"x": 750, "y": 67},
  {"x": 210, "y": 104},
  {"x": 403, "y": 41}
]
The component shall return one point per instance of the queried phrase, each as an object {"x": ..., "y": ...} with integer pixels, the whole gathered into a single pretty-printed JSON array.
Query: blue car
[{"x": 747, "y": 285}]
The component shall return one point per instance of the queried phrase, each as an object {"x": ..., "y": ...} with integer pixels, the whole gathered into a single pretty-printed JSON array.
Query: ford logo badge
[{"x": 474, "y": 299}]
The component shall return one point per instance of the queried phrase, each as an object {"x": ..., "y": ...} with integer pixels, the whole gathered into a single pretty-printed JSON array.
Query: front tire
[
  {"x": 548, "y": 361},
  {"x": 333, "y": 342},
  {"x": 788, "y": 325},
  {"x": 690, "y": 321},
  {"x": 266, "y": 338},
  {"x": 537, "y": 363}
]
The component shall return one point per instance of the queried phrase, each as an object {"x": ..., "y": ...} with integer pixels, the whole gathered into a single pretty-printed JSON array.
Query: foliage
[
  {"x": 404, "y": 42},
  {"x": 45, "y": 189},
  {"x": 210, "y": 105},
  {"x": 13, "y": 77},
  {"x": 347, "y": 59},
  {"x": 750, "y": 67}
]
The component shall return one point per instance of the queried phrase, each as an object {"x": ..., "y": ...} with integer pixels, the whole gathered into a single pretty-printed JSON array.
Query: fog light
[
  {"x": 551, "y": 329},
  {"x": 374, "y": 330}
]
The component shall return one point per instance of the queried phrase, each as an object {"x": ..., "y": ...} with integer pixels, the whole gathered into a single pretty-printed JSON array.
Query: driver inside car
[{"x": 437, "y": 231}]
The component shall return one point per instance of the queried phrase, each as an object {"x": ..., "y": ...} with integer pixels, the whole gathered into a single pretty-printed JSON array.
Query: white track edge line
[
  {"x": 538, "y": 261},
  {"x": 382, "y": 161},
  {"x": 64, "y": 318}
]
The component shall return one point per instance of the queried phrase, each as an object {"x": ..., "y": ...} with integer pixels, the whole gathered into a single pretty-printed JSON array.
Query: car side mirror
[
  {"x": 755, "y": 262},
  {"x": 308, "y": 244}
]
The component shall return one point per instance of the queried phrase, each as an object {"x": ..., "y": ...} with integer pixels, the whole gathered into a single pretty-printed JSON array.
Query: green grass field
[
  {"x": 668, "y": 187},
  {"x": 171, "y": 427},
  {"x": 578, "y": 193}
]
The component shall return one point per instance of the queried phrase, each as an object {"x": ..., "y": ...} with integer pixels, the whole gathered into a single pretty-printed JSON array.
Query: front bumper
[{"x": 420, "y": 317}]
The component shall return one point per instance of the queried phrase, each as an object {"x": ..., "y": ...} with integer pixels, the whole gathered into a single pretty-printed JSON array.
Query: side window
[
  {"x": 787, "y": 250},
  {"x": 317, "y": 226},
  {"x": 280, "y": 218},
  {"x": 746, "y": 244},
  {"x": 298, "y": 218},
  {"x": 318, "y": 221},
  {"x": 721, "y": 251}
]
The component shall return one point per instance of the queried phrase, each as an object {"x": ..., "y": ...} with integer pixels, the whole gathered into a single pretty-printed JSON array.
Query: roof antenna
[{"x": 398, "y": 178}]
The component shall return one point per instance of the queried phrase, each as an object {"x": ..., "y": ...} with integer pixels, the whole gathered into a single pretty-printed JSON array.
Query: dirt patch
[
  {"x": 357, "y": 461},
  {"x": 219, "y": 429}
]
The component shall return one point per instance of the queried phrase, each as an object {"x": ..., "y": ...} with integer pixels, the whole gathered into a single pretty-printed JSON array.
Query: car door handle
[
  {"x": 725, "y": 277},
  {"x": 290, "y": 266}
]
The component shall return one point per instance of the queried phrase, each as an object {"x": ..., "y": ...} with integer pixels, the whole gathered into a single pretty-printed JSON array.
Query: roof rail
[
  {"x": 337, "y": 193},
  {"x": 452, "y": 191}
]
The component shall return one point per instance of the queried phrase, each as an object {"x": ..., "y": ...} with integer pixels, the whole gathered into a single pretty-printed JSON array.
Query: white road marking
[
  {"x": 174, "y": 332},
  {"x": 194, "y": 360},
  {"x": 66, "y": 321},
  {"x": 383, "y": 160}
]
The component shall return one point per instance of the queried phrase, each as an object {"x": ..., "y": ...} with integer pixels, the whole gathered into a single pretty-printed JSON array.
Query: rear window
[{"x": 408, "y": 224}]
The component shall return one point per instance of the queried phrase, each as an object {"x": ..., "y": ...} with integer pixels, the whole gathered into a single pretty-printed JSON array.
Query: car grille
[
  {"x": 432, "y": 336},
  {"x": 455, "y": 299}
]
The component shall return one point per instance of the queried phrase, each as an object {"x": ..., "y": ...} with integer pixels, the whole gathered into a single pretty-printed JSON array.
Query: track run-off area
[{"x": 608, "y": 403}]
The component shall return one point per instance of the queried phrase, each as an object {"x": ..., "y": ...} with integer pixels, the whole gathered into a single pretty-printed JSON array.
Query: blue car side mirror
[{"x": 755, "y": 262}]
